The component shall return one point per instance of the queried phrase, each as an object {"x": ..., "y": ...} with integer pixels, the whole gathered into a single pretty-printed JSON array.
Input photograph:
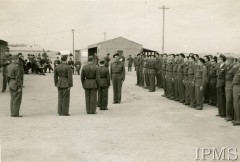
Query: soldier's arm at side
[
  {"x": 83, "y": 75},
  {"x": 204, "y": 76},
  {"x": 18, "y": 79},
  {"x": 108, "y": 79},
  {"x": 70, "y": 78},
  {"x": 55, "y": 76},
  {"x": 124, "y": 72}
]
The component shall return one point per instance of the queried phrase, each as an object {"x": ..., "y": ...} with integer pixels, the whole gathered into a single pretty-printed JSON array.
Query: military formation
[
  {"x": 190, "y": 80},
  {"x": 193, "y": 81},
  {"x": 95, "y": 76}
]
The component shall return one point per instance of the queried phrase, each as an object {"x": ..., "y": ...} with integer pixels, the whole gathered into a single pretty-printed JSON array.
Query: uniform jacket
[
  {"x": 5, "y": 62},
  {"x": 201, "y": 76},
  {"x": 104, "y": 76},
  {"x": 230, "y": 72},
  {"x": 213, "y": 74},
  {"x": 180, "y": 68},
  {"x": 118, "y": 67},
  {"x": 152, "y": 66},
  {"x": 130, "y": 60},
  {"x": 89, "y": 76},
  {"x": 221, "y": 72},
  {"x": 63, "y": 76},
  {"x": 14, "y": 74},
  {"x": 236, "y": 78}
]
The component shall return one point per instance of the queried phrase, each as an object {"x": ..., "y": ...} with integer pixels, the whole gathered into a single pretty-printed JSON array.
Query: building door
[{"x": 120, "y": 52}]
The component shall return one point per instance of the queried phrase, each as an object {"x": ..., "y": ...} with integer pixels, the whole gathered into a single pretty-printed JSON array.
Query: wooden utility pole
[
  {"x": 73, "y": 44},
  {"x": 104, "y": 36},
  {"x": 163, "y": 8}
]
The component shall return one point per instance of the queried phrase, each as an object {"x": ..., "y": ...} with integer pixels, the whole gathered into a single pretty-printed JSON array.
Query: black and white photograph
[{"x": 119, "y": 80}]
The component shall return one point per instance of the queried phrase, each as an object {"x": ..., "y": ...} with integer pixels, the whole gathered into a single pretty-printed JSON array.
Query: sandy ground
[{"x": 145, "y": 127}]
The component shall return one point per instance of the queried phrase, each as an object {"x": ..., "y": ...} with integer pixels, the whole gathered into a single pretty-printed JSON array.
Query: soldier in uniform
[
  {"x": 169, "y": 73},
  {"x": 175, "y": 81},
  {"x": 107, "y": 60},
  {"x": 180, "y": 76},
  {"x": 137, "y": 65},
  {"x": 141, "y": 77},
  {"x": 190, "y": 92},
  {"x": 146, "y": 68},
  {"x": 159, "y": 72},
  {"x": 57, "y": 62},
  {"x": 164, "y": 69},
  {"x": 130, "y": 62},
  {"x": 206, "y": 88},
  {"x": 21, "y": 65},
  {"x": 157, "y": 61},
  {"x": 230, "y": 72},
  {"x": 200, "y": 81},
  {"x": 152, "y": 73},
  {"x": 71, "y": 64},
  {"x": 186, "y": 80},
  {"x": 213, "y": 82},
  {"x": 89, "y": 78},
  {"x": 95, "y": 59},
  {"x": 236, "y": 98},
  {"x": 117, "y": 77},
  {"x": 103, "y": 83},
  {"x": 5, "y": 62},
  {"x": 15, "y": 86},
  {"x": 78, "y": 66},
  {"x": 63, "y": 81},
  {"x": 221, "y": 97}
]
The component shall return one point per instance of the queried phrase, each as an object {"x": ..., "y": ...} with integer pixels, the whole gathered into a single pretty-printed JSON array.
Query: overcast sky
[{"x": 199, "y": 26}]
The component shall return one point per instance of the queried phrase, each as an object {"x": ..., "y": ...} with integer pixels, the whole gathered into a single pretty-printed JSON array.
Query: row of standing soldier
[{"x": 193, "y": 81}]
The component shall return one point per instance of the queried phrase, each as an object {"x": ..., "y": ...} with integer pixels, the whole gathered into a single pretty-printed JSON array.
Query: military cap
[
  {"x": 208, "y": 58},
  {"x": 182, "y": 55},
  {"x": 102, "y": 61},
  {"x": 116, "y": 54},
  {"x": 192, "y": 57},
  {"x": 172, "y": 55},
  {"x": 215, "y": 58},
  {"x": 196, "y": 55},
  {"x": 223, "y": 57},
  {"x": 202, "y": 60},
  {"x": 64, "y": 57}
]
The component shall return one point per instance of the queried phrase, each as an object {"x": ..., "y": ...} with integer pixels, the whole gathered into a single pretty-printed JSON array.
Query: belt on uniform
[
  {"x": 90, "y": 78},
  {"x": 117, "y": 72},
  {"x": 13, "y": 78},
  {"x": 62, "y": 76}
]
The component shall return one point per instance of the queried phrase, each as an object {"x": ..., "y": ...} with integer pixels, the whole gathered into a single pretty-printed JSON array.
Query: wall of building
[{"x": 112, "y": 46}]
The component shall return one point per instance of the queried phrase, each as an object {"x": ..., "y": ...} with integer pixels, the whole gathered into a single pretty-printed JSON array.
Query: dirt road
[{"x": 145, "y": 127}]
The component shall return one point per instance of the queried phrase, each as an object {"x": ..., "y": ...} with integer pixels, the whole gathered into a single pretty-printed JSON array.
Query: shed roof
[
  {"x": 95, "y": 45},
  {"x": 3, "y": 43}
]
